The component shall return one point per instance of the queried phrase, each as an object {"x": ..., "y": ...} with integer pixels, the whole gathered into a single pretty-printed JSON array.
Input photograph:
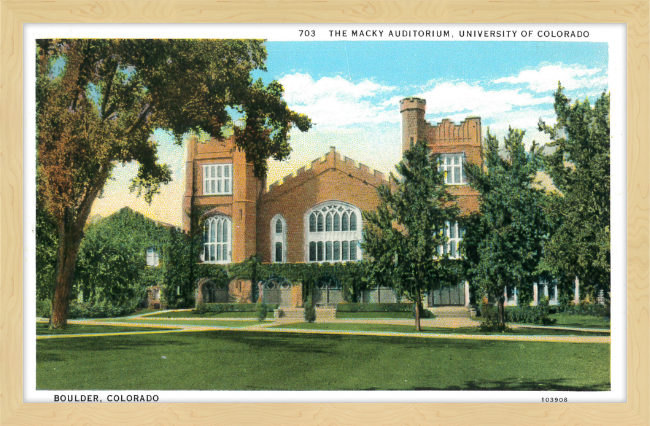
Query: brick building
[{"x": 314, "y": 215}]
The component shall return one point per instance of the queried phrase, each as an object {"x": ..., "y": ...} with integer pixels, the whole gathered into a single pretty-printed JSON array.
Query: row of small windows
[
  {"x": 332, "y": 251},
  {"x": 333, "y": 222},
  {"x": 217, "y": 245},
  {"x": 217, "y": 179}
]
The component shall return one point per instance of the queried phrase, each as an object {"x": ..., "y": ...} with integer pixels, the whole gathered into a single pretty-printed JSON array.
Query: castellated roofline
[
  {"x": 412, "y": 103},
  {"x": 449, "y": 120},
  {"x": 331, "y": 160}
]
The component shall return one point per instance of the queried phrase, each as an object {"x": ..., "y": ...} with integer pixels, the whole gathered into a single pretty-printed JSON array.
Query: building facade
[{"x": 315, "y": 214}]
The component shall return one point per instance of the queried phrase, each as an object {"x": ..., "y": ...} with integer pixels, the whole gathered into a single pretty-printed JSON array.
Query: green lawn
[
  {"x": 580, "y": 321},
  {"x": 436, "y": 330},
  {"x": 192, "y": 314},
  {"x": 400, "y": 315},
  {"x": 219, "y": 323},
  {"x": 231, "y": 360},
  {"x": 42, "y": 329}
]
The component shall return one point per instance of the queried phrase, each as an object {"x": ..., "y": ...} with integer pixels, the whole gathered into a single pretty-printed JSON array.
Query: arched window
[
  {"x": 278, "y": 239},
  {"x": 332, "y": 233},
  {"x": 218, "y": 236}
]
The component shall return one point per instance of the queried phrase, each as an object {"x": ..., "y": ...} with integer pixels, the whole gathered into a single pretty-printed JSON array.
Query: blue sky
[{"x": 351, "y": 91}]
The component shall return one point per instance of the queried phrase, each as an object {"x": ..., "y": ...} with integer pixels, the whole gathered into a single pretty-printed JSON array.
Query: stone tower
[{"x": 413, "y": 123}]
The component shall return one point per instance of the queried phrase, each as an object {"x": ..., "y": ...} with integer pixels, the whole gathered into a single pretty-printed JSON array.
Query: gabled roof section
[{"x": 330, "y": 161}]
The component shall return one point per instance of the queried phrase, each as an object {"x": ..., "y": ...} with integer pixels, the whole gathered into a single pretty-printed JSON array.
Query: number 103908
[{"x": 565, "y": 399}]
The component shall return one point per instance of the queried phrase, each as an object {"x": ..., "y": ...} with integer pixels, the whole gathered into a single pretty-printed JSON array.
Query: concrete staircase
[
  {"x": 451, "y": 312},
  {"x": 298, "y": 315}
]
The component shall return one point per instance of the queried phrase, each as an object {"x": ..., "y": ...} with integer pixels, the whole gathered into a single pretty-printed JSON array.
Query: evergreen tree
[
  {"x": 579, "y": 168},
  {"x": 403, "y": 235},
  {"x": 98, "y": 102},
  {"x": 502, "y": 246}
]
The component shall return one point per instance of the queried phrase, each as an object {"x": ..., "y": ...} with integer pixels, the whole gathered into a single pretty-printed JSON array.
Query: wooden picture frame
[{"x": 13, "y": 411}]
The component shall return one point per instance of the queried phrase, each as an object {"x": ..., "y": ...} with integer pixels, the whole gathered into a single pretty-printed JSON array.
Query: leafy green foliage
[
  {"x": 112, "y": 264},
  {"x": 310, "y": 310},
  {"x": 503, "y": 242},
  {"x": 579, "y": 168},
  {"x": 103, "y": 309},
  {"x": 203, "y": 308},
  {"x": 43, "y": 308},
  {"x": 98, "y": 102},
  {"x": 261, "y": 310},
  {"x": 403, "y": 235},
  {"x": 47, "y": 243}
]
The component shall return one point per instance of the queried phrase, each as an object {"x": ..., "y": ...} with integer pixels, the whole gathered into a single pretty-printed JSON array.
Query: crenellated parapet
[
  {"x": 468, "y": 132},
  {"x": 330, "y": 161}
]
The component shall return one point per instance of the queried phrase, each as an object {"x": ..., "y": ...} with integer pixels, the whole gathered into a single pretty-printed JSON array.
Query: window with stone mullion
[{"x": 333, "y": 233}]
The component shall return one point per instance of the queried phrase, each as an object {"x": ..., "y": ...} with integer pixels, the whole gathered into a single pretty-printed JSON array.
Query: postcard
[{"x": 275, "y": 213}]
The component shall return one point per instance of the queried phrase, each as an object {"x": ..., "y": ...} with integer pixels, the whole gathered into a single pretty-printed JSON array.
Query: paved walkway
[{"x": 267, "y": 326}]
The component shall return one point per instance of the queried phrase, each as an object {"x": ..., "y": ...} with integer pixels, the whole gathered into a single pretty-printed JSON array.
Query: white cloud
[
  {"x": 460, "y": 97},
  {"x": 545, "y": 78},
  {"x": 334, "y": 102}
]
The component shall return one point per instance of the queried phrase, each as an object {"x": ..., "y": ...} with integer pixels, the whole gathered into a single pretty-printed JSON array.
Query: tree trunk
[
  {"x": 501, "y": 310},
  {"x": 70, "y": 235},
  {"x": 418, "y": 307}
]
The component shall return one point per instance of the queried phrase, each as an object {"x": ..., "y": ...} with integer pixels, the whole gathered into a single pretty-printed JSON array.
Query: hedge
[
  {"x": 527, "y": 315},
  {"x": 100, "y": 310},
  {"x": 374, "y": 307},
  {"x": 87, "y": 309},
  {"x": 202, "y": 308},
  {"x": 595, "y": 310}
]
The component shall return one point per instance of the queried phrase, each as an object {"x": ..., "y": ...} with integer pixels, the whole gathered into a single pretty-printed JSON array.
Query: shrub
[
  {"x": 424, "y": 313},
  {"x": 374, "y": 307},
  {"x": 203, "y": 308},
  {"x": 100, "y": 310},
  {"x": 200, "y": 308},
  {"x": 489, "y": 318},
  {"x": 261, "y": 311},
  {"x": 310, "y": 311},
  {"x": 43, "y": 308}
]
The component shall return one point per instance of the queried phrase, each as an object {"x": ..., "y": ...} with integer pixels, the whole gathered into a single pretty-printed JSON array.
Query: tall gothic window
[
  {"x": 218, "y": 240},
  {"x": 278, "y": 239},
  {"x": 333, "y": 233}
]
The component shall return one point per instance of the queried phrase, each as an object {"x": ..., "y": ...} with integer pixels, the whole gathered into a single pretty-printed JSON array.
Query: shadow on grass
[
  {"x": 322, "y": 343},
  {"x": 512, "y": 384},
  {"x": 306, "y": 343}
]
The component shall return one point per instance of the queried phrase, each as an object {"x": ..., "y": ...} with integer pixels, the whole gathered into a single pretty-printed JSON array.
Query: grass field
[
  {"x": 437, "y": 330},
  {"x": 277, "y": 361},
  {"x": 581, "y": 321},
  {"x": 373, "y": 315},
  {"x": 219, "y": 323},
  {"x": 192, "y": 314},
  {"x": 43, "y": 330}
]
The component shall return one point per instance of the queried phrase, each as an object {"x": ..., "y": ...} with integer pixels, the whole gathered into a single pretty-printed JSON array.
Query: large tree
[
  {"x": 99, "y": 101},
  {"x": 579, "y": 168},
  {"x": 403, "y": 235},
  {"x": 503, "y": 242}
]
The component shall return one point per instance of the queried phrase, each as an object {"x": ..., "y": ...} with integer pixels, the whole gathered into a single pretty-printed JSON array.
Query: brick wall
[{"x": 333, "y": 177}]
